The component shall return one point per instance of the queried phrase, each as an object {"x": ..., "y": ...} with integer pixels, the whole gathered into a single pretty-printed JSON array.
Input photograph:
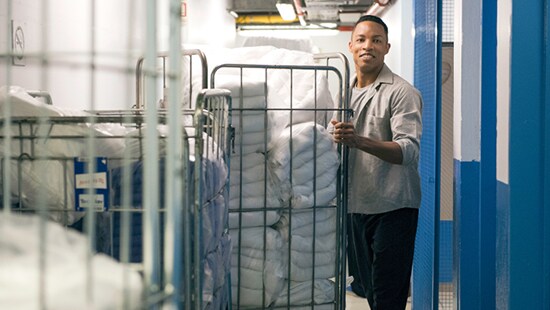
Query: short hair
[{"x": 371, "y": 18}]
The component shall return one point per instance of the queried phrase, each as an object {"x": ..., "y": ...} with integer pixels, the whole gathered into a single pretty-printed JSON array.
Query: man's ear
[{"x": 349, "y": 46}]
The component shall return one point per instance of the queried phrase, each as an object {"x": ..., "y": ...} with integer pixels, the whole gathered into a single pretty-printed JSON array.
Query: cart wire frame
[
  {"x": 180, "y": 286},
  {"x": 343, "y": 113}
]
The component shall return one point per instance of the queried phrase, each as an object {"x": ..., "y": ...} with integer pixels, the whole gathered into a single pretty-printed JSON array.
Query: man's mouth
[{"x": 366, "y": 56}]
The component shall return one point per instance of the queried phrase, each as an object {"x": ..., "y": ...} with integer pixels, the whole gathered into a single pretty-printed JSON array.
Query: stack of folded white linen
[
  {"x": 310, "y": 236},
  {"x": 319, "y": 291},
  {"x": 304, "y": 157},
  {"x": 252, "y": 195},
  {"x": 257, "y": 266},
  {"x": 216, "y": 271},
  {"x": 44, "y": 173},
  {"x": 65, "y": 278},
  {"x": 267, "y": 174},
  {"x": 303, "y": 95},
  {"x": 303, "y": 89},
  {"x": 249, "y": 103}
]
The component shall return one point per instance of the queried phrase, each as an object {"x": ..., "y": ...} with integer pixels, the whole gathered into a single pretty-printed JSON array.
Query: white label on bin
[
  {"x": 99, "y": 180},
  {"x": 95, "y": 201}
]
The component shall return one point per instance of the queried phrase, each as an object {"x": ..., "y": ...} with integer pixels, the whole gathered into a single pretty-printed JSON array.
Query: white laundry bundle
[
  {"x": 253, "y": 125},
  {"x": 310, "y": 236},
  {"x": 300, "y": 293},
  {"x": 305, "y": 157},
  {"x": 214, "y": 168},
  {"x": 305, "y": 91},
  {"x": 65, "y": 277},
  {"x": 304, "y": 44},
  {"x": 257, "y": 266},
  {"x": 254, "y": 199},
  {"x": 49, "y": 182},
  {"x": 282, "y": 157},
  {"x": 251, "y": 182},
  {"x": 310, "y": 89},
  {"x": 216, "y": 270}
]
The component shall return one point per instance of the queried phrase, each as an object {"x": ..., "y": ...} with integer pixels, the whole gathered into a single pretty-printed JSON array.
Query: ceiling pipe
[
  {"x": 380, "y": 7},
  {"x": 300, "y": 12}
]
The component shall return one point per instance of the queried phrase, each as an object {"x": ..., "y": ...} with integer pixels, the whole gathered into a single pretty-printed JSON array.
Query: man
[{"x": 384, "y": 184}]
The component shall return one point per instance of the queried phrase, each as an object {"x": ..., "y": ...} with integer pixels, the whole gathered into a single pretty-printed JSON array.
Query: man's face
[{"x": 368, "y": 45}]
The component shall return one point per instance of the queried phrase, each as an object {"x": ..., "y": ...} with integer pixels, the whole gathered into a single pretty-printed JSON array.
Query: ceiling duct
[
  {"x": 254, "y": 6},
  {"x": 330, "y": 10},
  {"x": 340, "y": 12}
]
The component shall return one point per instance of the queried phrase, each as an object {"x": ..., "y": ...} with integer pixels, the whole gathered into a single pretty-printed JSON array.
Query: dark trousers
[{"x": 380, "y": 256}]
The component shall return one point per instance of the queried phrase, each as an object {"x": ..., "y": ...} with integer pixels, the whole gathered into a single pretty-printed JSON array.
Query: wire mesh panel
[
  {"x": 287, "y": 200},
  {"x": 189, "y": 90},
  {"x": 52, "y": 158},
  {"x": 86, "y": 174}
]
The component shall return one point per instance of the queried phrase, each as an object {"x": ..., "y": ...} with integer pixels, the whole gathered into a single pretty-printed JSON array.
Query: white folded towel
[
  {"x": 248, "y": 219},
  {"x": 254, "y": 202},
  {"x": 248, "y": 105},
  {"x": 248, "y": 161},
  {"x": 305, "y": 221},
  {"x": 248, "y": 138},
  {"x": 260, "y": 266},
  {"x": 241, "y": 86},
  {"x": 306, "y": 153},
  {"x": 300, "y": 293},
  {"x": 65, "y": 277}
]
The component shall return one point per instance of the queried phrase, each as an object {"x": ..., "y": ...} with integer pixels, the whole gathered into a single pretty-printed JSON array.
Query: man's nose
[{"x": 367, "y": 44}]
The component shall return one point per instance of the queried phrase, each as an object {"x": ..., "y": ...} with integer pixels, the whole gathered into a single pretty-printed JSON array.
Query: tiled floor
[{"x": 354, "y": 302}]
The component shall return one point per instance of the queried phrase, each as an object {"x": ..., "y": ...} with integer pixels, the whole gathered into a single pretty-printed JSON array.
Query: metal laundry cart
[
  {"x": 288, "y": 188},
  {"x": 93, "y": 173}
]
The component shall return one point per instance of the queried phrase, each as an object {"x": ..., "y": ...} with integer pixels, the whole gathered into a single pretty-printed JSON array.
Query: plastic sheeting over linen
[
  {"x": 50, "y": 181},
  {"x": 65, "y": 276}
]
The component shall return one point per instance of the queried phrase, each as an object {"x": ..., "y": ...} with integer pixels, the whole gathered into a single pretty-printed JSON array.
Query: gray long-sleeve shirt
[{"x": 390, "y": 109}]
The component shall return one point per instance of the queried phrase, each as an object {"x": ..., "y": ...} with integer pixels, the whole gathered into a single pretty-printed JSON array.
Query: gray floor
[{"x": 354, "y": 302}]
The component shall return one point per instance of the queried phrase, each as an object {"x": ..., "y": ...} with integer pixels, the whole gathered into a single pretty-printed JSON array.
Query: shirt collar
[{"x": 384, "y": 77}]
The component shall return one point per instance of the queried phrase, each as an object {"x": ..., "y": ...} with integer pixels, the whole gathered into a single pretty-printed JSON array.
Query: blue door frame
[
  {"x": 523, "y": 209},
  {"x": 427, "y": 78}
]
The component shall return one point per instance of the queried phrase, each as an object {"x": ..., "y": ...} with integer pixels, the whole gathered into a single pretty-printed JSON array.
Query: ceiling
[{"x": 341, "y": 12}]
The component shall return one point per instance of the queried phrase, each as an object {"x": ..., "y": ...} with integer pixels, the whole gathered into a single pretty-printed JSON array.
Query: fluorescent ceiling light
[
  {"x": 286, "y": 10},
  {"x": 328, "y": 25},
  {"x": 289, "y": 33},
  {"x": 285, "y": 32}
]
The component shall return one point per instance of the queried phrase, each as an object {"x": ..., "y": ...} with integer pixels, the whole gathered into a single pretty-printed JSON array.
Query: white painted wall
[
  {"x": 467, "y": 110},
  {"x": 400, "y": 20},
  {"x": 63, "y": 34},
  {"x": 208, "y": 22},
  {"x": 504, "y": 21}
]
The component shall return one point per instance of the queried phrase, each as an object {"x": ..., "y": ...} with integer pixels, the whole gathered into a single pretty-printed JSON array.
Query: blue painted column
[
  {"x": 546, "y": 160},
  {"x": 487, "y": 189},
  {"x": 523, "y": 174},
  {"x": 475, "y": 155},
  {"x": 467, "y": 153}
]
